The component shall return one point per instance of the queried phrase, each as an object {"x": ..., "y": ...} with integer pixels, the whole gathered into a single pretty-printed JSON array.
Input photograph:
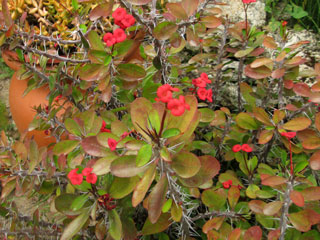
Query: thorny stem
[
  {"x": 217, "y": 214},
  {"x": 29, "y": 232},
  {"x": 219, "y": 61},
  {"x": 291, "y": 163},
  {"x": 285, "y": 210},
  {"x": 240, "y": 72},
  {"x": 43, "y": 53},
  {"x": 25, "y": 173}
]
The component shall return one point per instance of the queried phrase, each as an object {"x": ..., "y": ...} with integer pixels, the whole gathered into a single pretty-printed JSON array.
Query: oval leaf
[
  {"x": 186, "y": 164},
  {"x": 297, "y": 124}
]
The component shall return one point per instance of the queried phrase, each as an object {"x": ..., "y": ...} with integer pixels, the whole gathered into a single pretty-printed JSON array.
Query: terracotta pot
[{"x": 22, "y": 108}]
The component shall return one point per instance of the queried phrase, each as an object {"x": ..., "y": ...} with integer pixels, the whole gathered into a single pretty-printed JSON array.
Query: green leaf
[
  {"x": 75, "y": 226},
  {"x": 144, "y": 155},
  {"x": 213, "y": 199},
  {"x": 102, "y": 165},
  {"x": 157, "y": 198},
  {"x": 65, "y": 147},
  {"x": 172, "y": 132},
  {"x": 79, "y": 202},
  {"x": 131, "y": 72},
  {"x": 142, "y": 187},
  {"x": 33, "y": 156},
  {"x": 162, "y": 224},
  {"x": 121, "y": 187},
  {"x": 186, "y": 164},
  {"x": 167, "y": 205},
  {"x": 72, "y": 127},
  {"x": 298, "y": 12},
  {"x": 125, "y": 166},
  {"x": 297, "y": 124},
  {"x": 207, "y": 115},
  {"x": 245, "y": 121},
  {"x": 95, "y": 41},
  {"x": 242, "y": 53},
  {"x": 211, "y": 21},
  {"x": 123, "y": 48},
  {"x": 75, "y": 4},
  {"x": 164, "y": 30},
  {"x": 115, "y": 228}
]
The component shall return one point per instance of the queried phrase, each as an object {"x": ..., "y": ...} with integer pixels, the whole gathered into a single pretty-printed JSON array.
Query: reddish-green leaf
[
  {"x": 278, "y": 73},
  {"x": 312, "y": 142},
  {"x": 186, "y": 164},
  {"x": 131, "y": 72},
  {"x": 257, "y": 73},
  {"x": 211, "y": 21},
  {"x": 233, "y": 196},
  {"x": 265, "y": 136},
  {"x": 315, "y": 161},
  {"x": 297, "y": 198},
  {"x": 257, "y": 206},
  {"x": 301, "y": 89},
  {"x": 93, "y": 72},
  {"x": 269, "y": 43},
  {"x": 262, "y": 116},
  {"x": 311, "y": 194},
  {"x": 125, "y": 166},
  {"x": 300, "y": 220},
  {"x": 245, "y": 121},
  {"x": 273, "y": 181},
  {"x": 214, "y": 223},
  {"x": 164, "y": 30},
  {"x": 207, "y": 115},
  {"x": 274, "y": 234},
  {"x": 139, "y": 2},
  {"x": 260, "y": 62},
  {"x": 297, "y": 124},
  {"x": 92, "y": 147},
  {"x": 210, "y": 167},
  {"x": 7, "y": 188},
  {"x": 142, "y": 187},
  {"x": 253, "y": 233},
  {"x": 317, "y": 121},
  {"x": 157, "y": 198},
  {"x": 102, "y": 10},
  {"x": 6, "y": 14},
  {"x": 190, "y": 6},
  {"x": 272, "y": 208},
  {"x": 162, "y": 224},
  {"x": 102, "y": 165},
  {"x": 235, "y": 234},
  {"x": 278, "y": 116},
  {"x": 177, "y": 10},
  {"x": 64, "y": 147}
]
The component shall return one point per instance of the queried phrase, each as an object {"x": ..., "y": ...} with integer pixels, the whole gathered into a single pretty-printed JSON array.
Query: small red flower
[
  {"x": 128, "y": 21},
  {"x": 246, "y": 148},
  {"x": 284, "y": 23},
  {"x": 57, "y": 98},
  {"x": 112, "y": 144},
  {"x": 92, "y": 178},
  {"x": 109, "y": 39},
  {"x": 199, "y": 82},
  {"x": 119, "y": 35},
  {"x": 248, "y": 1},
  {"x": 74, "y": 177},
  {"x": 236, "y": 148},
  {"x": 119, "y": 13},
  {"x": 227, "y": 184},
  {"x": 178, "y": 106},
  {"x": 164, "y": 93},
  {"x": 103, "y": 127},
  {"x": 205, "y": 78},
  {"x": 86, "y": 171},
  {"x": 289, "y": 135},
  {"x": 202, "y": 93}
]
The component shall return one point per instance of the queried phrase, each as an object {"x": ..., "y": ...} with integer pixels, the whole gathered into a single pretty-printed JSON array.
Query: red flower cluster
[
  {"x": 245, "y": 147},
  {"x": 77, "y": 178},
  {"x": 176, "y": 106},
  {"x": 248, "y": 1},
  {"x": 107, "y": 201},
  {"x": 288, "y": 135},
  {"x": 113, "y": 143},
  {"x": 122, "y": 18},
  {"x": 118, "y": 36},
  {"x": 104, "y": 128},
  {"x": 227, "y": 184},
  {"x": 284, "y": 23},
  {"x": 201, "y": 83}
]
